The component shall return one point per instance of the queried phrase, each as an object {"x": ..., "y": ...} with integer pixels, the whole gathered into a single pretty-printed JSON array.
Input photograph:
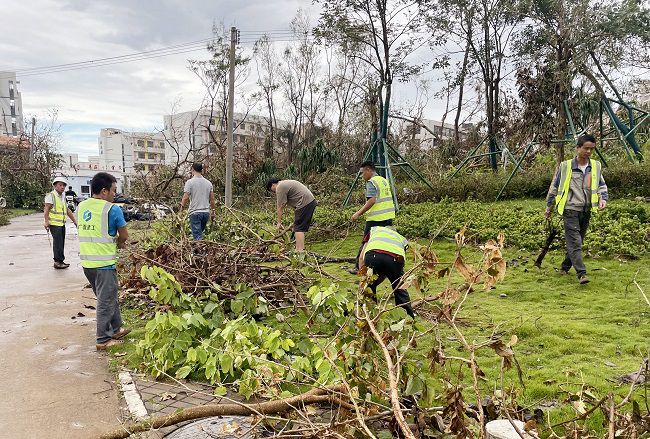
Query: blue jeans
[{"x": 198, "y": 221}]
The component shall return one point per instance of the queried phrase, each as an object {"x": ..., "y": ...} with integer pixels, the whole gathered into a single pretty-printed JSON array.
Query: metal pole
[
  {"x": 31, "y": 142},
  {"x": 231, "y": 116},
  {"x": 523, "y": 156}
]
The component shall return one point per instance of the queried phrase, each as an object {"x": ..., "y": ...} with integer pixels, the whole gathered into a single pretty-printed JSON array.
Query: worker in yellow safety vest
[
  {"x": 379, "y": 207},
  {"x": 578, "y": 189},
  {"x": 55, "y": 211},
  {"x": 102, "y": 230},
  {"x": 385, "y": 253}
]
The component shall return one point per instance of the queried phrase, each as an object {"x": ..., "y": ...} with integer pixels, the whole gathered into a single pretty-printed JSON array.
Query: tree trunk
[
  {"x": 461, "y": 90},
  {"x": 314, "y": 396}
]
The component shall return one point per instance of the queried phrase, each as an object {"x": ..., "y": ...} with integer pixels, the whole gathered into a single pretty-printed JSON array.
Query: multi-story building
[
  {"x": 425, "y": 138},
  {"x": 129, "y": 152},
  {"x": 641, "y": 90},
  {"x": 193, "y": 135},
  {"x": 79, "y": 174},
  {"x": 11, "y": 106}
]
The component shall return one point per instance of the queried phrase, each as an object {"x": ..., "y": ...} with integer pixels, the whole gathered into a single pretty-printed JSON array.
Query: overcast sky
[{"x": 131, "y": 96}]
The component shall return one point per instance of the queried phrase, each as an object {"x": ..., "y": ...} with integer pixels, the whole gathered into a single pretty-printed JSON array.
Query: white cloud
[{"x": 132, "y": 96}]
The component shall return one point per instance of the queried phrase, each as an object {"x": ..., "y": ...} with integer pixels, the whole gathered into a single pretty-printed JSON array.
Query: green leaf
[
  {"x": 414, "y": 385},
  {"x": 220, "y": 391},
  {"x": 183, "y": 372},
  {"x": 226, "y": 363},
  {"x": 397, "y": 327},
  {"x": 236, "y": 306}
]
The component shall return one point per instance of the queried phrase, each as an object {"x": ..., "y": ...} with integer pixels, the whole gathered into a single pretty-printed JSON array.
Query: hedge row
[{"x": 621, "y": 229}]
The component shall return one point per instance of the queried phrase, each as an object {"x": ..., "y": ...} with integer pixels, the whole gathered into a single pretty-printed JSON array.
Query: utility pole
[
  {"x": 31, "y": 142},
  {"x": 231, "y": 115}
]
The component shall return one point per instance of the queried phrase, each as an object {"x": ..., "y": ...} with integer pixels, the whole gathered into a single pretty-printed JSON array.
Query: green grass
[
  {"x": 569, "y": 335},
  {"x": 7, "y": 214},
  {"x": 13, "y": 213}
]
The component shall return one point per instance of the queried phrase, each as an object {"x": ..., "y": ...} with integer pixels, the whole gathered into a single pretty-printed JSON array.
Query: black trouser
[
  {"x": 58, "y": 242},
  {"x": 575, "y": 229},
  {"x": 366, "y": 230},
  {"x": 387, "y": 266}
]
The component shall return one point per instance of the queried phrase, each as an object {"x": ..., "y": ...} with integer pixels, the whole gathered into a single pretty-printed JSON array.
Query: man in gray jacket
[{"x": 578, "y": 189}]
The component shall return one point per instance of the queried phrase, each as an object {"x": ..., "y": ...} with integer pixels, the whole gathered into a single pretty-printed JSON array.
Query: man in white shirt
[{"x": 55, "y": 212}]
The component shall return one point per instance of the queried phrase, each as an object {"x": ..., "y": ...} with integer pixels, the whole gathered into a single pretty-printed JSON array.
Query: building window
[
  {"x": 85, "y": 190},
  {"x": 242, "y": 126},
  {"x": 141, "y": 155},
  {"x": 162, "y": 157},
  {"x": 140, "y": 142}
]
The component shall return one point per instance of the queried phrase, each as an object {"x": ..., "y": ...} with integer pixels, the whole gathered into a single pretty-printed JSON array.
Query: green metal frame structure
[
  {"x": 620, "y": 130},
  {"x": 384, "y": 156}
]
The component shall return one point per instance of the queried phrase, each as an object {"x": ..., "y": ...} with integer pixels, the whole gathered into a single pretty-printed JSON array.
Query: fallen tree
[{"x": 313, "y": 396}]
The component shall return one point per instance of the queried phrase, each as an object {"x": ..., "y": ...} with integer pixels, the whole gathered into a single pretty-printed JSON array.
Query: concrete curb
[{"x": 132, "y": 397}]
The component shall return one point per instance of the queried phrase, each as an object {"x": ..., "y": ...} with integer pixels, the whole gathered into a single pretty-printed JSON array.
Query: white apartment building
[
  {"x": 11, "y": 106},
  {"x": 424, "y": 137},
  {"x": 79, "y": 174},
  {"x": 189, "y": 133},
  {"x": 642, "y": 92},
  {"x": 129, "y": 152}
]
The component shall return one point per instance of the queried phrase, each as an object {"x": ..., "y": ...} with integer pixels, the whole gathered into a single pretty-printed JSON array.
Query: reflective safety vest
[
  {"x": 96, "y": 247},
  {"x": 388, "y": 240},
  {"x": 57, "y": 213},
  {"x": 384, "y": 208},
  {"x": 565, "y": 182}
]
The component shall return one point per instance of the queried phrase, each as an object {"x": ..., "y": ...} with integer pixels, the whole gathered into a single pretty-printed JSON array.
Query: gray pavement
[{"x": 53, "y": 382}]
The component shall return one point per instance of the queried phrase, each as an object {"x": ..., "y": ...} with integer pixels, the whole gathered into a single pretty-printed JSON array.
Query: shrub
[{"x": 623, "y": 228}]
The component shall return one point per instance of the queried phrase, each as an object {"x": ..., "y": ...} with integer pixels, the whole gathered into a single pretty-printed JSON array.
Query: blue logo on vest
[{"x": 87, "y": 215}]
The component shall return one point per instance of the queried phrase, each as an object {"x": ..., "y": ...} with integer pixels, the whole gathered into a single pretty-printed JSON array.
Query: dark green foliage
[
  {"x": 23, "y": 191},
  {"x": 316, "y": 158},
  {"x": 623, "y": 179},
  {"x": 622, "y": 229}
]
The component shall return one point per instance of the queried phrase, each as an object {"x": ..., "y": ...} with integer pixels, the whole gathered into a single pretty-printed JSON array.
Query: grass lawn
[
  {"x": 13, "y": 213},
  {"x": 7, "y": 214},
  {"x": 570, "y": 336}
]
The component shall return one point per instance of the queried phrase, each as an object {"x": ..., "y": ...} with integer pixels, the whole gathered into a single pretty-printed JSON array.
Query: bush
[
  {"x": 4, "y": 217},
  {"x": 624, "y": 179},
  {"x": 622, "y": 229}
]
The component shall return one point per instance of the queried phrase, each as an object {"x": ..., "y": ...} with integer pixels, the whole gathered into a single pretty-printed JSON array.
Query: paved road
[{"x": 53, "y": 383}]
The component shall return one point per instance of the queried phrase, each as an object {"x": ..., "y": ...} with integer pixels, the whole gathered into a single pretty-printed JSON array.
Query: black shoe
[
  {"x": 60, "y": 265},
  {"x": 583, "y": 279}
]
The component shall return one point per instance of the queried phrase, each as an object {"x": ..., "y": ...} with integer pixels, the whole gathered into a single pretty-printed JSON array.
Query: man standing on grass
[
  {"x": 294, "y": 194},
  {"x": 55, "y": 212},
  {"x": 102, "y": 230},
  {"x": 379, "y": 206},
  {"x": 578, "y": 189},
  {"x": 199, "y": 192}
]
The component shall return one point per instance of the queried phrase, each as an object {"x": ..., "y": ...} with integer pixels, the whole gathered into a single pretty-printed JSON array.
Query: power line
[
  {"x": 282, "y": 36},
  {"x": 162, "y": 49}
]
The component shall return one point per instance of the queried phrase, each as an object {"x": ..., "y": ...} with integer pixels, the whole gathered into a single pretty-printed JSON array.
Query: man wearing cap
[{"x": 54, "y": 213}]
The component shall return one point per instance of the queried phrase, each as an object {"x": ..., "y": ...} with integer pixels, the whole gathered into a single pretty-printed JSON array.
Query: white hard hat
[{"x": 59, "y": 180}]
